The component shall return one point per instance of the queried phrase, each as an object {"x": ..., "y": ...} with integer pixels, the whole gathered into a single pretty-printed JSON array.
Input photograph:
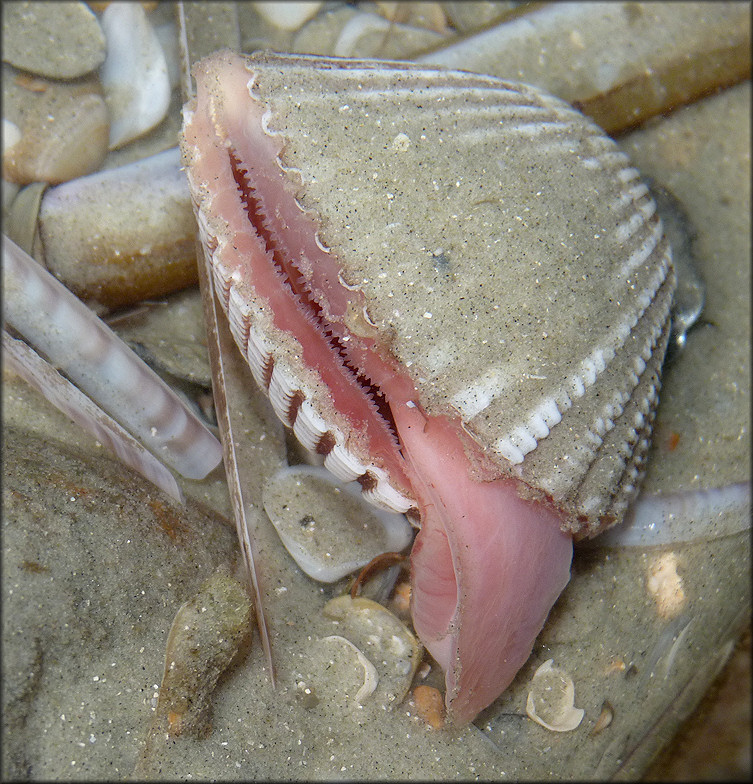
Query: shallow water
[{"x": 97, "y": 564}]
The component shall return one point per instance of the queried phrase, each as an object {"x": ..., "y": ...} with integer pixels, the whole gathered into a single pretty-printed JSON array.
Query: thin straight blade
[
  {"x": 219, "y": 342},
  {"x": 69, "y": 399}
]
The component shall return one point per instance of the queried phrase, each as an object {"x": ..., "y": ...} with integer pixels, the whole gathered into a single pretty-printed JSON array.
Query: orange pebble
[
  {"x": 401, "y": 597},
  {"x": 174, "y": 722},
  {"x": 429, "y": 705},
  {"x": 673, "y": 441}
]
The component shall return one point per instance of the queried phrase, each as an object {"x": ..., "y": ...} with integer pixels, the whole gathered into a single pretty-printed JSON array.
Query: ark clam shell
[{"x": 509, "y": 254}]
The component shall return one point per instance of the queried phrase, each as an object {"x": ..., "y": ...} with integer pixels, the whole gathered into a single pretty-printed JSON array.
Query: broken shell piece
[
  {"x": 383, "y": 639},
  {"x": 551, "y": 700},
  {"x": 338, "y": 679},
  {"x": 102, "y": 366},
  {"x": 205, "y": 636},
  {"x": 134, "y": 73},
  {"x": 370, "y": 676},
  {"x": 326, "y": 526},
  {"x": 605, "y": 718},
  {"x": 84, "y": 412},
  {"x": 21, "y": 223},
  {"x": 11, "y": 135},
  {"x": 666, "y": 586}
]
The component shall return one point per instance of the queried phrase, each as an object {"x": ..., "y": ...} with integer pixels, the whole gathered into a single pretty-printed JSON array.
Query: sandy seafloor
[{"x": 96, "y": 563}]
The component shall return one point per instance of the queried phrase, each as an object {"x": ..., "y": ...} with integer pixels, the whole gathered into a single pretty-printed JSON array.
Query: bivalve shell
[
  {"x": 460, "y": 288},
  {"x": 539, "y": 246}
]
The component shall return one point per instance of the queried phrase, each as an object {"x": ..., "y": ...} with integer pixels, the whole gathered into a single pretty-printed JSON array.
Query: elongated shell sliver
[
  {"x": 41, "y": 309},
  {"x": 75, "y": 404}
]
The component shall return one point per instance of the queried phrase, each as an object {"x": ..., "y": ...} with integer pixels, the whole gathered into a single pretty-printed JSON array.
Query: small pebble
[
  {"x": 122, "y": 235},
  {"x": 205, "y": 636},
  {"x": 429, "y": 705},
  {"x": 62, "y": 40},
  {"x": 327, "y": 526},
  {"x": 288, "y": 15},
  {"x": 63, "y": 129},
  {"x": 383, "y": 639}
]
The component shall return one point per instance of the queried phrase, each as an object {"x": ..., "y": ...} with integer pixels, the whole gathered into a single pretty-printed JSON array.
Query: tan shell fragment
[{"x": 509, "y": 254}]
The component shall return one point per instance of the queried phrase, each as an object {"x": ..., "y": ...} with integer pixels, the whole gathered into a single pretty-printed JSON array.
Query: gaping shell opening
[
  {"x": 287, "y": 303},
  {"x": 283, "y": 244}
]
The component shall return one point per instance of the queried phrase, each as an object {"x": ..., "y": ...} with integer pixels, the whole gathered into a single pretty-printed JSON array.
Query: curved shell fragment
[
  {"x": 551, "y": 700},
  {"x": 370, "y": 675}
]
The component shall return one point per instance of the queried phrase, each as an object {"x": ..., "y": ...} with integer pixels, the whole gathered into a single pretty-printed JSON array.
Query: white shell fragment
[
  {"x": 665, "y": 585},
  {"x": 41, "y": 309},
  {"x": 134, "y": 73},
  {"x": 326, "y": 526},
  {"x": 11, "y": 135},
  {"x": 370, "y": 675},
  {"x": 551, "y": 700},
  {"x": 690, "y": 516},
  {"x": 75, "y": 404},
  {"x": 287, "y": 15}
]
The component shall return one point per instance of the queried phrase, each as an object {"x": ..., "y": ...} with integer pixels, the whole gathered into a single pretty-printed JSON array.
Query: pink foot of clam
[
  {"x": 487, "y": 566},
  {"x": 456, "y": 290}
]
